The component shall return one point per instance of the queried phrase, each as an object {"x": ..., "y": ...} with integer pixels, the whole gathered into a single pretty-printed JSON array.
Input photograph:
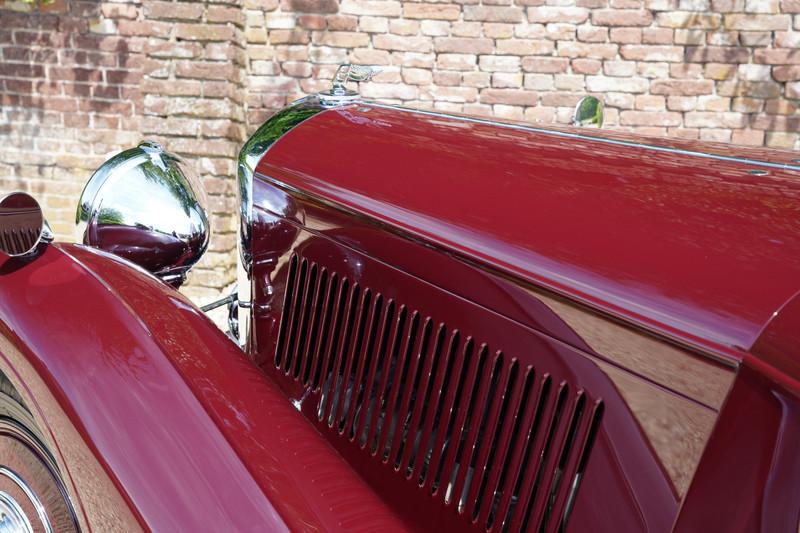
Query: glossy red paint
[
  {"x": 642, "y": 496},
  {"x": 191, "y": 434},
  {"x": 154, "y": 251},
  {"x": 748, "y": 478},
  {"x": 674, "y": 273},
  {"x": 692, "y": 247}
]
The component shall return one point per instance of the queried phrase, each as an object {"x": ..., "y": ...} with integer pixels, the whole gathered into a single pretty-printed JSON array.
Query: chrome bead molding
[
  {"x": 588, "y": 137},
  {"x": 251, "y": 153},
  {"x": 12, "y": 517}
]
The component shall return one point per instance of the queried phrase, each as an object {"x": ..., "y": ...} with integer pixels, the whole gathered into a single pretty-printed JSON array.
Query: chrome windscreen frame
[{"x": 251, "y": 153}]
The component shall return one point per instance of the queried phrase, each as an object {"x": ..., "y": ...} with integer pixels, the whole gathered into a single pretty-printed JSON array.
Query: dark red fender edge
[{"x": 192, "y": 435}]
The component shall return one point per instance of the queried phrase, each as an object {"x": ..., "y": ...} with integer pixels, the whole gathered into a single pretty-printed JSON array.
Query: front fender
[{"x": 156, "y": 418}]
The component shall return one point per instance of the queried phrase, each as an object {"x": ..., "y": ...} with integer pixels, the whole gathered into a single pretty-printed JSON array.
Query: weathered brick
[
  {"x": 649, "y": 102},
  {"x": 712, "y": 102},
  {"x": 173, "y": 11},
  {"x": 493, "y": 63},
  {"x": 387, "y": 8},
  {"x": 493, "y": 14},
  {"x": 204, "y": 32},
  {"x": 776, "y": 123},
  {"x": 594, "y": 51},
  {"x": 777, "y": 56},
  {"x": 686, "y": 70},
  {"x": 586, "y": 66},
  {"x": 682, "y": 87},
  {"x": 650, "y": 118},
  {"x": 545, "y": 64},
  {"x": 434, "y": 28},
  {"x": 622, "y": 17},
  {"x": 456, "y": 61},
  {"x": 719, "y": 71},
  {"x": 341, "y": 22},
  {"x": 690, "y": 36},
  {"x": 687, "y": 19},
  {"x": 626, "y": 35},
  {"x": 716, "y": 54},
  {"x": 498, "y": 30},
  {"x": 748, "y": 137},
  {"x": 348, "y": 39},
  {"x": 310, "y": 6},
  {"x": 744, "y": 104},
  {"x": 432, "y": 11},
  {"x": 786, "y": 73},
  {"x": 539, "y": 82},
  {"x": 591, "y": 34},
  {"x": 547, "y": 14},
  {"x": 623, "y": 85},
  {"x": 525, "y": 47},
  {"x": 755, "y": 22},
  {"x": 462, "y": 45},
  {"x": 417, "y": 76},
  {"x": 619, "y": 68},
  {"x": 777, "y": 106},
  {"x": 409, "y": 44},
  {"x": 657, "y": 36},
  {"x": 476, "y": 79},
  {"x": 652, "y": 53},
  {"x": 705, "y": 119},
  {"x": 508, "y": 96},
  {"x": 507, "y": 80},
  {"x": 755, "y": 38}
]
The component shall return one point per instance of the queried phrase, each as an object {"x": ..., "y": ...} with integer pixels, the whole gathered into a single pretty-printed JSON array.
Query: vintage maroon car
[{"x": 441, "y": 324}]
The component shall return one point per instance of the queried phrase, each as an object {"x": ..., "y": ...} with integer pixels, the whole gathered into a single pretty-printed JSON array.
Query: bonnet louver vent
[{"x": 503, "y": 444}]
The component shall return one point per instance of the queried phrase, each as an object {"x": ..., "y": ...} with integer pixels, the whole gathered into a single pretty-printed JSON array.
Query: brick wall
[{"x": 81, "y": 79}]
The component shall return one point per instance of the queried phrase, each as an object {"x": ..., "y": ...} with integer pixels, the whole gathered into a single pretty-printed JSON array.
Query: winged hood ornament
[{"x": 339, "y": 93}]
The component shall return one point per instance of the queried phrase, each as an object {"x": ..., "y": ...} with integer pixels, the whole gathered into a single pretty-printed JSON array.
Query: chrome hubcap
[{"x": 12, "y": 518}]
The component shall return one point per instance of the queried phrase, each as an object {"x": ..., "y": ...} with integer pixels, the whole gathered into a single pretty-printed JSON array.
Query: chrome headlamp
[{"x": 144, "y": 206}]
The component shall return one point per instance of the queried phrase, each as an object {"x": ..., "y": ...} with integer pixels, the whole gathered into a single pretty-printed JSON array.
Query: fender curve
[{"x": 192, "y": 434}]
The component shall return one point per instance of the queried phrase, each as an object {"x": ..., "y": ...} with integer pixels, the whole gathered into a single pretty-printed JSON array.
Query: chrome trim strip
[
  {"x": 579, "y": 136},
  {"x": 251, "y": 153},
  {"x": 37, "y": 503}
]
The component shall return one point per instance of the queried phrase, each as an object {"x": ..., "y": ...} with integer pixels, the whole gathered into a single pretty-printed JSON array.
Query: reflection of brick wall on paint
[{"x": 79, "y": 79}]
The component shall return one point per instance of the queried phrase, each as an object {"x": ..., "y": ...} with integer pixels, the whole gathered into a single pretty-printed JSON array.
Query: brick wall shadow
[{"x": 69, "y": 93}]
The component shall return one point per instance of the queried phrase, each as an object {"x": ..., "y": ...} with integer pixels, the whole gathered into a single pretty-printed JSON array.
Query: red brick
[
  {"x": 717, "y": 54},
  {"x": 546, "y": 64},
  {"x": 462, "y": 45},
  {"x": 776, "y": 123},
  {"x": 586, "y": 66},
  {"x": 432, "y": 11},
  {"x": 786, "y": 73},
  {"x": 777, "y": 56},
  {"x": 652, "y": 53},
  {"x": 622, "y": 17},
  {"x": 657, "y": 36},
  {"x": 683, "y": 87},
  {"x": 546, "y": 14},
  {"x": 173, "y": 10},
  {"x": 204, "y": 32},
  {"x": 756, "y": 22},
  {"x": 493, "y": 13},
  {"x": 311, "y": 6},
  {"x": 508, "y": 96},
  {"x": 626, "y": 35},
  {"x": 650, "y": 118},
  {"x": 117, "y": 11}
]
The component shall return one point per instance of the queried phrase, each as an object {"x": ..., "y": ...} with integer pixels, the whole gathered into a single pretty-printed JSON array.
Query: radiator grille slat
[{"x": 498, "y": 442}]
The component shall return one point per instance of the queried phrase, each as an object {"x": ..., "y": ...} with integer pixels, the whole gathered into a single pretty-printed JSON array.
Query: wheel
[{"x": 32, "y": 495}]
